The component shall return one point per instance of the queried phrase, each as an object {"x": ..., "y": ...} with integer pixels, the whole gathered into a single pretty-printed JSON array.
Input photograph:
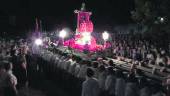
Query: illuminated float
[{"x": 83, "y": 40}]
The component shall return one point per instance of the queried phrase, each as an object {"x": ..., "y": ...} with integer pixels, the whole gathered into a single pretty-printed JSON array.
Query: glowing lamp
[
  {"x": 105, "y": 35},
  {"x": 161, "y": 19},
  {"x": 62, "y": 34},
  {"x": 86, "y": 36},
  {"x": 38, "y": 42},
  {"x": 84, "y": 39}
]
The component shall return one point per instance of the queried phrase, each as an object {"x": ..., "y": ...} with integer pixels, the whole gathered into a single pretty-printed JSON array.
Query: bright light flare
[
  {"x": 105, "y": 35},
  {"x": 62, "y": 34},
  {"x": 38, "y": 42},
  {"x": 85, "y": 39},
  {"x": 86, "y": 36},
  {"x": 162, "y": 19}
]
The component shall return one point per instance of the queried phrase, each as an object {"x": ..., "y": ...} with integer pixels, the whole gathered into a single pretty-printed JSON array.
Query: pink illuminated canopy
[{"x": 83, "y": 38}]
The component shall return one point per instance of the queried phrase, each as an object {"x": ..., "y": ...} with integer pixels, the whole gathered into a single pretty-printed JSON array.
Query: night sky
[{"x": 60, "y": 13}]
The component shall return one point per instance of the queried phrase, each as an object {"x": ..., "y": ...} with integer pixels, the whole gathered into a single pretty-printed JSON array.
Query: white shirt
[
  {"x": 131, "y": 89},
  {"x": 12, "y": 78},
  {"x": 3, "y": 76},
  {"x": 82, "y": 72},
  {"x": 120, "y": 87},
  {"x": 145, "y": 91},
  {"x": 102, "y": 79},
  {"x": 90, "y": 87},
  {"x": 158, "y": 94},
  {"x": 110, "y": 84},
  {"x": 72, "y": 67},
  {"x": 77, "y": 70}
]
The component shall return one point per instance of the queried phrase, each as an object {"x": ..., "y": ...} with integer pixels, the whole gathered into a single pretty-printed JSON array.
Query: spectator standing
[
  {"x": 11, "y": 81},
  {"x": 90, "y": 86},
  {"x": 110, "y": 82}
]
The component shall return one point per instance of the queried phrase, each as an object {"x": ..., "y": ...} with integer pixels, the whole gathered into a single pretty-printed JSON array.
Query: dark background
[{"x": 18, "y": 16}]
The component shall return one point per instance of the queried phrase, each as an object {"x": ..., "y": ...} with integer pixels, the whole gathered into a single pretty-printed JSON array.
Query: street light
[
  {"x": 105, "y": 35},
  {"x": 38, "y": 41},
  {"x": 62, "y": 34},
  {"x": 161, "y": 19}
]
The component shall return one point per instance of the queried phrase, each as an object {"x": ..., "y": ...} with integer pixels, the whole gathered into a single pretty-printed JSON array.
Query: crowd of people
[
  {"x": 144, "y": 52},
  {"x": 97, "y": 77},
  {"x": 13, "y": 67}
]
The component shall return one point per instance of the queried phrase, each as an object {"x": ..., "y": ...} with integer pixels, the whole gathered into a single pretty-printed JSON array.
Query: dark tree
[{"x": 155, "y": 16}]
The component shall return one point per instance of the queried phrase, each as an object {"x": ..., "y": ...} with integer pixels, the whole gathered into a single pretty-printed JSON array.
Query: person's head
[
  {"x": 110, "y": 70},
  {"x": 102, "y": 68},
  {"x": 1, "y": 68},
  {"x": 143, "y": 82},
  {"x": 13, "y": 47},
  {"x": 7, "y": 53},
  {"x": 88, "y": 63},
  {"x": 111, "y": 63},
  {"x": 73, "y": 57},
  {"x": 139, "y": 72},
  {"x": 78, "y": 60},
  {"x": 22, "y": 60},
  {"x": 156, "y": 88},
  {"x": 119, "y": 74},
  {"x": 152, "y": 62},
  {"x": 95, "y": 64},
  {"x": 89, "y": 72},
  {"x": 8, "y": 65},
  {"x": 158, "y": 55},
  {"x": 100, "y": 60},
  {"x": 131, "y": 77},
  {"x": 20, "y": 51},
  {"x": 161, "y": 64},
  {"x": 82, "y": 62}
]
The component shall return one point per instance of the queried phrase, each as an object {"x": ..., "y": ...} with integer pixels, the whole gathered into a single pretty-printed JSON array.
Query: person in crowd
[
  {"x": 111, "y": 63},
  {"x": 122, "y": 46},
  {"x": 159, "y": 60},
  {"x": 120, "y": 83},
  {"x": 139, "y": 54},
  {"x": 3, "y": 76},
  {"x": 90, "y": 86},
  {"x": 134, "y": 53},
  {"x": 72, "y": 65},
  {"x": 144, "y": 87},
  {"x": 77, "y": 68},
  {"x": 67, "y": 63},
  {"x": 157, "y": 90},
  {"x": 102, "y": 78},
  {"x": 22, "y": 71},
  {"x": 84, "y": 65},
  {"x": 100, "y": 60},
  {"x": 131, "y": 88},
  {"x": 10, "y": 81},
  {"x": 110, "y": 82},
  {"x": 95, "y": 68},
  {"x": 167, "y": 83},
  {"x": 168, "y": 61},
  {"x": 14, "y": 60}
]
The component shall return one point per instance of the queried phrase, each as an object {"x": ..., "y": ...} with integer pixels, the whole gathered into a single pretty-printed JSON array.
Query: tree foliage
[
  {"x": 148, "y": 11},
  {"x": 155, "y": 15}
]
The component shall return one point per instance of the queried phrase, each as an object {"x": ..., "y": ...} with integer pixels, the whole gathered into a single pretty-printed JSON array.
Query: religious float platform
[
  {"x": 151, "y": 72},
  {"x": 83, "y": 40},
  {"x": 84, "y": 46}
]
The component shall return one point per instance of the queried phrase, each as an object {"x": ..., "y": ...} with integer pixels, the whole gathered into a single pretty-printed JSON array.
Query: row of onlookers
[
  {"x": 139, "y": 50},
  {"x": 13, "y": 67},
  {"x": 97, "y": 77}
]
